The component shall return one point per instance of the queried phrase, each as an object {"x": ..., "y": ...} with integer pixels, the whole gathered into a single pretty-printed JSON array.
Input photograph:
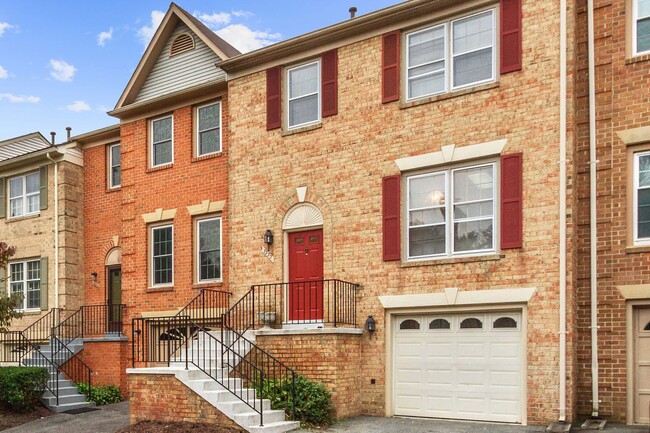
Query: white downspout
[
  {"x": 593, "y": 162},
  {"x": 563, "y": 194},
  {"x": 56, "y": 230}
]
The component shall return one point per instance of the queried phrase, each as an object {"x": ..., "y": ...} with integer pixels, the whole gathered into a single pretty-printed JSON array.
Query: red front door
[{"x": 306, "y": 276}]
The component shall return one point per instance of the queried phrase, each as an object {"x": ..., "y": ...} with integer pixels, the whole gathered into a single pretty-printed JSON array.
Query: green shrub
[
  {"x": 101, "y": 395},
  {"x": 22, "y": 387},
  {"x": 313, "y": 402}
]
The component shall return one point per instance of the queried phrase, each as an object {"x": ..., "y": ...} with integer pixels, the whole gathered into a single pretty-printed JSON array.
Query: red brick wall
[
  {"x": 164, "y": 398},
  {"x": 333, "y": 360},
  {"x": 108, "y": 361},
  {"x": 622, "y": 97}
]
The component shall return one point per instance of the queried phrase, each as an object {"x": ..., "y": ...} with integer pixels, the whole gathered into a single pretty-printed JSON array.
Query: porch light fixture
[
  {"x": 268, "y": 237},
  {"x": 370, "y": 324}
]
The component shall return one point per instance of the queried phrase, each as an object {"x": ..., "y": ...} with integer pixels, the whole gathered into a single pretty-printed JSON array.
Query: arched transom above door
[
  {"x": 301, "y": 216},
  {"x": 114, "y": 257}
]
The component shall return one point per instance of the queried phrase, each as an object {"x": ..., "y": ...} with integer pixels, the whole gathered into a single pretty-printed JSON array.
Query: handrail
[
  {"x": 18, "y": 344},
  {"x": 70, "y": 364}
]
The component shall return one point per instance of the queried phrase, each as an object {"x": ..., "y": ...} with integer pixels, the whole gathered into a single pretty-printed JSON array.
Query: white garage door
[{"x": 465, "y": 366}]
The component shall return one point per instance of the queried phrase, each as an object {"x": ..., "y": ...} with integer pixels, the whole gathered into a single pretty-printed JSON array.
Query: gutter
[
  {"x": 563, "y": 197},
  {"x": 56, "y": 225},
  {"x": 593, "y": 217}
]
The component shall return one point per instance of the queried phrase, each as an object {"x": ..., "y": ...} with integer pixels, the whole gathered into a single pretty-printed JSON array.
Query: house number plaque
[{"x": 268, "y": 255}]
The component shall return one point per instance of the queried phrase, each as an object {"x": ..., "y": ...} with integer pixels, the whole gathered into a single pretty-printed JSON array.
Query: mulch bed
[
  {"x": 9, "y": 419},
  {"x": 177, "y": 427}
]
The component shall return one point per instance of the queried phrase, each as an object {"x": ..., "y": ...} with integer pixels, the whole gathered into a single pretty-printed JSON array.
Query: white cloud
[
  {"x": 246, "y": 39},
  {"x": 4, "y": 27},
  {"x": 242, "y": 14},
  {"x": 104, "y": 36},
  {"x": 145, "y": 33},
  {"x": 62, "y": 71},
  {"x": 78, "y": 106},
  {"x": 19, "y": 98},
  {"x": 3, "y": 73},
  {"x": 213, "y": 19}
]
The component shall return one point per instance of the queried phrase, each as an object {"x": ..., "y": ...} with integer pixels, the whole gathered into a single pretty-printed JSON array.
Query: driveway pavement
[
  {"x": 367, "y": 424},
  {"x": 108, "y": 419}
]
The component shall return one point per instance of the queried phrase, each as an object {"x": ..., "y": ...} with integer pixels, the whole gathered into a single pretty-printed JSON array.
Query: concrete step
[
  {"x": 66, "y": 407},
  {"x": 253, "y": 418},
  {"x": 64, "y": 399},
  {"x": 63, "y": 391},
  {"x": 277, "y": 427},
  {"x": 237, "y": 406}
]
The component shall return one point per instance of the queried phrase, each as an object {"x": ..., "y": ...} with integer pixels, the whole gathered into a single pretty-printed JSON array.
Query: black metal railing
[
  {"x": 155, "y": 339},
  {"x": 91, "y": 320},
  {"x": 330, "y": 302},
  {"x": 71, "y": 365},
  {"x": 18, "y": 344}
]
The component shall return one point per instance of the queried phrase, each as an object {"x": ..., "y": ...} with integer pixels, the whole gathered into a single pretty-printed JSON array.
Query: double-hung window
[
  {"x": 303, "y": 87},
  {"x": 451, "y": 55},
  {"x": 24, "y": 195},
  {"x": 641, "y": 26},
  {"x": 208, "y": 129},
  {"x": 114, "y": 166},
  {"x": 162, "y": 255},
  {"x": 25, "y": 281},
  {"x": 642, "y": 197},
  {"x": 162, "y": 141},
  {"x": 208, "y": 249},
  {"x": 451, "y": 212}
]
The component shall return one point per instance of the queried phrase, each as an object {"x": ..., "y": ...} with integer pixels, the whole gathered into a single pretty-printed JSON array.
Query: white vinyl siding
[
  {"x": 114, "y": 166},
  {"x": 208, "y": 129},
  {"x": 25, "y": 281},
  {"x": 175, "y": 73},
  {"x": 162, "y": 255},
  {"x": 303, "y": 95},
  {"x": 24, "y": 195},
  {"x": 451, "y": 212},
  {"x": 451, "y": 55},
  {"x": 162, "y": 141},
  {"x": 641, "y": 26},
  {"x": 208, "y": 250},
  {"x": 642, "y": 198}
]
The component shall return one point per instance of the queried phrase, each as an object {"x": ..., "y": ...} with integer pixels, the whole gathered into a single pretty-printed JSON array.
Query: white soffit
[
  {"x": 450, "y": 153},
  {"x": 455, "y": 297}
]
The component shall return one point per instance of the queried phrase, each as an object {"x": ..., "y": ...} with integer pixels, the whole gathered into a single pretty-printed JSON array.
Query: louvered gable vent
[{"x": 181, "y": 44}]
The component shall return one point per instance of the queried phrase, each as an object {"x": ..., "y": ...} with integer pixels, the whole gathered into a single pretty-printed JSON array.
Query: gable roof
[
  {"x": 174, "y": 15},
  {"x": 23, "y": 145}
]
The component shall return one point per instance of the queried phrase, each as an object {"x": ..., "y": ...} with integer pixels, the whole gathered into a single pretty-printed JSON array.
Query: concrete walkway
[
  {"x": 367, "y": 424},
  {"x": 108, "y": 419}
]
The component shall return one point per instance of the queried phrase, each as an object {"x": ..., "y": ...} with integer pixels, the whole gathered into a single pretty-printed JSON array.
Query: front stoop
[
  {"x": 69, "y": 397},
  {"x": 226, "y": 402}
]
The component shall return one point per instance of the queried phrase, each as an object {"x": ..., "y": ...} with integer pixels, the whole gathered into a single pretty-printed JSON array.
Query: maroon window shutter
[
  {"x": 273, "y": 98},
  {"x": 390, "y": 67},
  {"x": 510, "y": 36},
  {"x": 511, "y": 201},
  {"x": 390, "y": 215},
  {"x": 329, "y": 78}
]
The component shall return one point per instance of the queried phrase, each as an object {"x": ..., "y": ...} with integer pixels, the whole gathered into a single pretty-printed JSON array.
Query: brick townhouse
[{"x": 399, "y": 205}]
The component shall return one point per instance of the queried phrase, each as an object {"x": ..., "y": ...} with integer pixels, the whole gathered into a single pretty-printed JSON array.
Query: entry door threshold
[{"x": 307, "y": 325}]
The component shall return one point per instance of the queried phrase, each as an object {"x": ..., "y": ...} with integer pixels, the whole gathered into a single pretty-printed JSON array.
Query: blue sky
[{"x": 65, "y": 63}]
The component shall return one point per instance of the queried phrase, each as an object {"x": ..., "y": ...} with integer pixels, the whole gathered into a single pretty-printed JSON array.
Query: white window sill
[
  {"x": 30, "y": 311},
  {"x": 452, "y": 260},
  {"x": 23, "y": 217}
]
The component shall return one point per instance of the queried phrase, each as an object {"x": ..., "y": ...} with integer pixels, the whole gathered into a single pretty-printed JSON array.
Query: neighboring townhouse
[
  {"x": 41, "y": 214},
  {"x": 414, "y": 151},
  {"x": 155, "y": 194},
  {"x": 613, "y": 220}
]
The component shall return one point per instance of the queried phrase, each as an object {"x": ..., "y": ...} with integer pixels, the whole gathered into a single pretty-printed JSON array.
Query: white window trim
[
  {"x": 198, "y": 130},
  {"x": 635, "y": 20},
  {"x": 24, "y": 195},
  {"x": 449, "y": 218},
  {"x": 23, "y": 263},
  {"x": 318, "y": 93},
  {"x": 151, "y": 142},
  {"x": 151, "y": 257},
  {"x": 637, "y": 240},
  {"x": 449, "y": 56},
  {"x": 110, "y": 166},
  {"x": 198, "y": 251}
]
